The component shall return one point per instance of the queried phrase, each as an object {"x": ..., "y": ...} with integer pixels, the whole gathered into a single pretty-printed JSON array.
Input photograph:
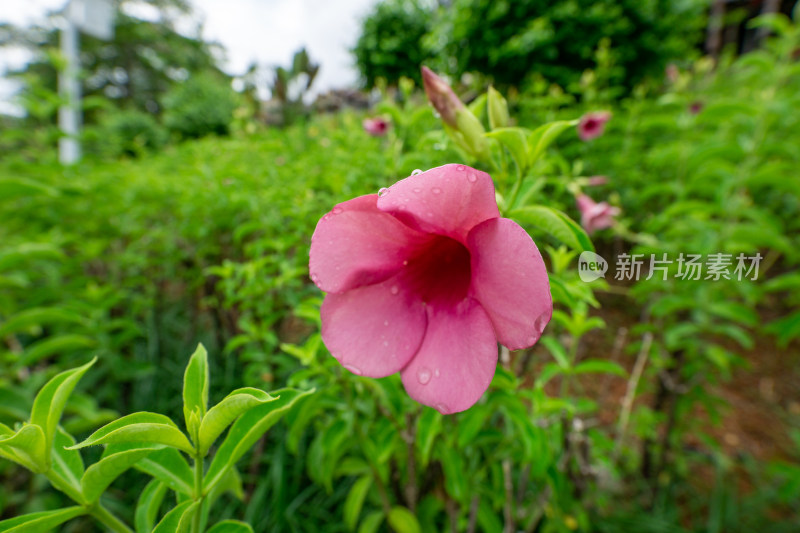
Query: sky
[{"x": 265, "y": 31}]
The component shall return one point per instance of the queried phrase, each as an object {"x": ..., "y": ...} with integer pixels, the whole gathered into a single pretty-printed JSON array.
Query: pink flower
[
  {"x": 377, "y": 127},
  {"x": 593, "y": 124},
  {"x": 595, "y": 216},
  {"x": 425, "y": 278},
  {"x": 441, "y": 96},
  {"x": 596, "y": 181},
  {"x": 696, "y": 107}
]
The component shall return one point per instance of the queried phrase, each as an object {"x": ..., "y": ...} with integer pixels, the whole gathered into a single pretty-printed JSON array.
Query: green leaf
[
  {"x": 22, "y": 187},
  {"x": 179, "y": 519},
  {"x": 195, "y": 384},
  {"x": 488, "y": 518},
  {"x": 151, "y": 428},
  {"x": 355, "y": 501},
  {"x": 54, "y": 345},
  {"x": 25, "y": 253},
  {"x": 14, "y": 404},
  {"x": 556, "y": 223},
  {"x": 35, "y": 317},
  {"x": 40, "y": 522},
  {"x": 247, "y": 430},
  {"x": 429, "y": 425},
  {"x": 148, "y": 505},
  {"x": 513, "y": 139},
  {"x": 371, "y": 523},
  {"x": 170, "y": 467},
  {"x": 786, "y": 328},
  {"x": 543, "y": 136},
  {"x": 101, "y": 474},
  {"x": 68, "y": 465},
  {"x": 471, "y": 423},
  {"x": 549, "y": 371},
  {"x": 232, "y": 482},
  {"x": 231, "y": 526},
  {"x": 50, "y": 402},
  {"x": 402, "y": 521},
  {"x": 454, "y": 481},
  {"x": 26, "y": 447},
  {"x": 599, "y": 366},
  {"x": 225, "y": 412},
  {"x": 557, "y": 350}
]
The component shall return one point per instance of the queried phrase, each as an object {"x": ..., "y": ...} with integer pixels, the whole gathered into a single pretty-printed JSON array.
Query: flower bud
[
  {"x": 441, "y": 96},
  {"x": 498, "y": 109}
]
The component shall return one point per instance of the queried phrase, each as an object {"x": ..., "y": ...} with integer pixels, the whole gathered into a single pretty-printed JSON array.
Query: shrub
[{"x": 201, "y": 106}]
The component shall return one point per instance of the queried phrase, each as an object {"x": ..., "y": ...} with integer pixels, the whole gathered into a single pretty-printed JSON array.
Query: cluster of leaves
[
  {"x": 509, "y": 40},
  {"x": 150, "y": 442}
]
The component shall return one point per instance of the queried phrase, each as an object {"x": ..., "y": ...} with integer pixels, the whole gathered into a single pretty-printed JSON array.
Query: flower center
[{"x": 440, "y": 271}]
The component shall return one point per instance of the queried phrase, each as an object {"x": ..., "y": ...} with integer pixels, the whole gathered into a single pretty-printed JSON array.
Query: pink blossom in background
[
  {"x": 441, "y": 96},
  {"x": 425, "y": 278},
  {"x": 593, "y": 124},
  {"x": 672, "y": 72},
  {"x": 595, "y": 216},
  {"x": 377, "y": 127},
  {"x": 696, "y": 107},
  {"x": 596, "y": 181}
]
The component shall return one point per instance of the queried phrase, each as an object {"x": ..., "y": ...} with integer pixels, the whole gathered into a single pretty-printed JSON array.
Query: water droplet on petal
[
  {"x": 436, "y": 372},
  {"x": 436, "y": 190},
  {"x": 386, "y": 343},
  {"x": 530, "y": 341},
  {"x": 354, "y": 369},
  {"x": 336, "y": 210},
  {"x": 461, "y": 168},
  {"x": 442, "y": 408},
  {"x": 395, "y": 289},
  {"x": 383, "y": 192},
  {"x": 423, "y": 375},
  {"x": 416, "y": 172},
  {"x": 472, "y": 177},
  {"x": 417, "y": 190},
  {"x": 385, "y": 322},
  {"x": 405, "y": 263}
]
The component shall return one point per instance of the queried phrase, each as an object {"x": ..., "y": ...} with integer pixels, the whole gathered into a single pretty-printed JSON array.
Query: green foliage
[
  {"x": 128, "y": 441},
  {"x": 391, "y": 42},
  {"x": 130, "y": 133},
  {"x": 200, "y": 106},
  {"x": 512, "y": 42}
]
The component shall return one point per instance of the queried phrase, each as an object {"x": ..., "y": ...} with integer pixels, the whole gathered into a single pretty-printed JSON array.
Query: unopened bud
[
  {"x": 441, "y": 96},
  {"x": 498, "y": 109}
]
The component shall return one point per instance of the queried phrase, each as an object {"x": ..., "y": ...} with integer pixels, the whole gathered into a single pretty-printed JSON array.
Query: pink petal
[
  {"x": 356, "y": 244},
  {"x": 510, "y": 281},
  {"x": 457, "y": 359},
  {"x": 374, "y": 330},
  {"x": 448, "y": 200}
]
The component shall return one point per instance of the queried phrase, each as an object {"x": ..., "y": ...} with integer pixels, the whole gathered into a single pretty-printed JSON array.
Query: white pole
[{"x": 69, "y": 88}]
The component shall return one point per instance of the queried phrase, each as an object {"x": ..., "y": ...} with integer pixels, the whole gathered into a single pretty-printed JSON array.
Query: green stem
[
  {"x": 198, "y": 493},
  {"x": 100, "y": 513},
  {"x": 109, "y": 520}
]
